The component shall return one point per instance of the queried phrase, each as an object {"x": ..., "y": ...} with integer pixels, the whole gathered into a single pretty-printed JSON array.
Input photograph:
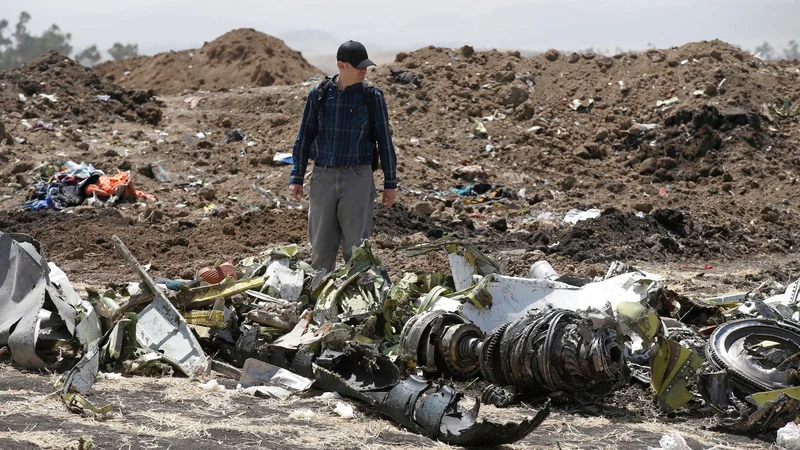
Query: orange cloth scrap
[{"x": 120, "y": 185}]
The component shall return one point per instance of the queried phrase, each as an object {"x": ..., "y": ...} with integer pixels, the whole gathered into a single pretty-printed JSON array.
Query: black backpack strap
[
  {"x": 369, "y": 100},
  {"x": 321, "y": 90}
]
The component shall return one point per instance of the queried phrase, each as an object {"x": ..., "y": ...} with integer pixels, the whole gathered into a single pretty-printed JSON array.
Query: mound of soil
[
  {"x": 243, "y": 57},
  {"x": 692, "y": 157},
  {"x": 55, "y": 88}
]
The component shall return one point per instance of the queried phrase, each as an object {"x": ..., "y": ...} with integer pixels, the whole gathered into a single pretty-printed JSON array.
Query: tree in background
[
  {"x": 119, "y": 51},
  {"x": 21, "y": 47},
  {"x": 88, "y": 57},
  {"x": 792, "y": 51}
]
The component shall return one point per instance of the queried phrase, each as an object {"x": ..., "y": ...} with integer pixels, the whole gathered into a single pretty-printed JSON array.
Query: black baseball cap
[{"x": 355, "y": 54}]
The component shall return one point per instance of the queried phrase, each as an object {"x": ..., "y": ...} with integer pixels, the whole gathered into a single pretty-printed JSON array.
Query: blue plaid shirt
[{"x": 341, "y": 136}]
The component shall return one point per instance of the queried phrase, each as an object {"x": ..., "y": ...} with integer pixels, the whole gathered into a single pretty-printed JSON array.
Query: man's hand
[
  {"x": 297, "y": 191},
  {"x": 388, "y": 197}
]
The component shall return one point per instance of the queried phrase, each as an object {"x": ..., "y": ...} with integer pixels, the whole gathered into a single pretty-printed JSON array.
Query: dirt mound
[
  {"x": 53, "y": 87},
  {"x": 243, "y": 57},
  {"x": 705, "y": 131}
]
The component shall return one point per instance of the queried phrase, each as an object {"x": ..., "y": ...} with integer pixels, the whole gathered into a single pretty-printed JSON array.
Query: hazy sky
[{"x": 161, "y": 25}]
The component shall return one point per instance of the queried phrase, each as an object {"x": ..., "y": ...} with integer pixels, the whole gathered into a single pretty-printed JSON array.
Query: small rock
[
  {"x": 526, "y": 111},
  {"x": 505, "y": 76},
  {"x": 229, "y": 230},
  {"x": 424, "y": 208},
  {"x": 552, "y": 54},
  {"x": 716, "y": 171},
  {"x": 573, "y": 58},
  {"x": 672, "y": 62},
  {"x": 83, "y": 146},
  {"x": 138, "y": 135},
  {"x": 204, "y": 144},
  {"x": 415, "y": 239},
  {"x": 146, "y": 170},
  {"x": 125, "y": 164},
  {"x": 513, "y": 95},
  {"x": 656, "y": 55},
  {"x": 226, "y": 122},
  {"x": 582, "y": 152},
  {"x": 589, "y": 55},
  {"x": 601, "y": 135},
  {"x": 726, "y": 187},
  {"x": 470, "y": 173},
  {"x": 500, "y": 224},
  {"x": 207, "y": 193},
  {"x": 644, "y": 207},
  {"x": 770, "y": 214},
  {"x": 727, "y": 177},
  {"x": 667, "y": 163},
  {"x": 716, "y": 55},
  {"x": 22, "y": 167},
  {"x": 710, "y": 90},
  {"x": 616, "y": 187},
  {"x": 466, "y": 50},
  {"x": 568, "y": 183},
  {"x": 604, "y": 63},
  {"x": 111, "y": 153},
  {"x": 649, "y": 166},
  {"x": 78, "y": 253}
]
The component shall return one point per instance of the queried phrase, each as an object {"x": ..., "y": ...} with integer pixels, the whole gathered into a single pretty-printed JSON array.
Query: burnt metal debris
[
  {"x": 540, "y": 353},
  {"x": 404, "y": 345}
]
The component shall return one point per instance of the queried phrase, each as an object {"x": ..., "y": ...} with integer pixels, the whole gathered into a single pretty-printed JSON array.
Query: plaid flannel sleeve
[
  {"x": 385, "y": 146},
  {"x": 305, "y": 138}
]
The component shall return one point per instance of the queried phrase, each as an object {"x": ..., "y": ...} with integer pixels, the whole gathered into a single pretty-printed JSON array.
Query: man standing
[{"x": 345, "y": 131}]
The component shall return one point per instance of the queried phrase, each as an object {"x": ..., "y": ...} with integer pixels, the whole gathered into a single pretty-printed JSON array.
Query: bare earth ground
[{"x": 718, "y": 190}]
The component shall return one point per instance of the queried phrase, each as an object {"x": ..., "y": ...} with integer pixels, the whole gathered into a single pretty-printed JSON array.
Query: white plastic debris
[
  {"x": 200, "y": 135},
  {"x": 671, "y": 441},
  {"x": 344, "y": 410},
  {"x": 109, "y": 376},
  {"x": 22, "y": 98},
  {"x": 302, "y": 414},
  {"x": 51, "y": 97},
  {"x": 574, "y": 216},
  {"x": 212, "y": 386},
  {"x": 789, "y": 437},
  {"x": 330, "y": 396}
]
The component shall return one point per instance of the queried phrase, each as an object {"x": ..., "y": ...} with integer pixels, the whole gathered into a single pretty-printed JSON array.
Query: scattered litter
[
  {"x": 789, "y": 437},
  {"x": 193, "y": 101},
  {"x": 480, "y": 130},
  {"x": 329, "y": 396},
  {"x": 282, "y": 158},
  {"x": 575, "y": 215},
  {"x": 582, "y": 106},
  {"x": 671, "y": 441},
  {"x": 212, "y": 386},
  {"x": 344, "y": 410},
  {"x": 234, "y": 136},
  {"x": 305, "y": 414},
  {"x": 669, "y": 101}
]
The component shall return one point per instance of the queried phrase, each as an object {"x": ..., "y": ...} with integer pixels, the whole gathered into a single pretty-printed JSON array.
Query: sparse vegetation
[{"x": 20, "y": 46}]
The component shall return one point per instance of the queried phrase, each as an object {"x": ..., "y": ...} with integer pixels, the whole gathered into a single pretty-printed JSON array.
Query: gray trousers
[{"x": 340, "y": 212}]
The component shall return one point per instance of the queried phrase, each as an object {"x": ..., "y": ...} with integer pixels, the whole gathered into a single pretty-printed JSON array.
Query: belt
[{"x": 328, "y": 166}]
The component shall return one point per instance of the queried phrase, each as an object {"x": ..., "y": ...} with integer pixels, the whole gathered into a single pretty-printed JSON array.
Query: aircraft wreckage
[{"x": 280, "y": 327}]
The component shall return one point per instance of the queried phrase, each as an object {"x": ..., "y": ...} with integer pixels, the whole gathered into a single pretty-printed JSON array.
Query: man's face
[{"x": 352, "y": 73}]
